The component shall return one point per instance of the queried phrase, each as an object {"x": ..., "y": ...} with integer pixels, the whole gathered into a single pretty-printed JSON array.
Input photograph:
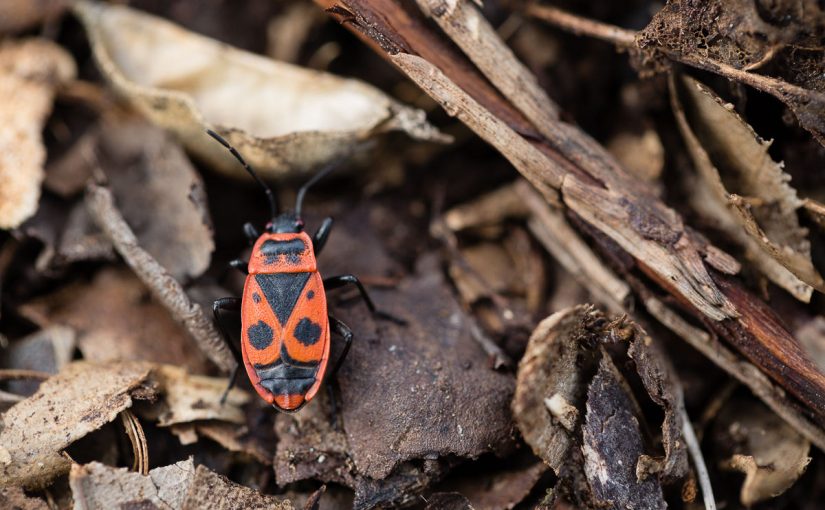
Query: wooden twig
[
  {"x": 698, "y": 461},
  {"x": 167, "y": 290},
  {"x": 563, "y": 162},
  {"x": 579, "y": 25}
]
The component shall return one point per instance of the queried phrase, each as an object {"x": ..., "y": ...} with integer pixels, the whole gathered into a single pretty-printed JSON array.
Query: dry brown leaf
[
  {"x": 770, "y": 453},
  {"x": 80, "y": 399},
  {"x": 16, "y": 15},
  {"x": 501, "y": 489},
  {"x": 743, "y": 189},
  {"x": 282, "y": 118},
  {"x": 211, "y": 490},
  {"x": 114, "y": 320},
  {"x": 96, "y": 486},
  {"x": 446, "y": 400},
  {"x": 186, "y": 398},
  {"x": 448, "y": 501},
  {"x": 16, "y": 499},
  {"x": 811, "y": 335},
  {"x": 30, "y": 70},
  {"x": 47, "y": 350},
  {"x": 143, "y": 165},
  {"x": 233, "y": 438}
]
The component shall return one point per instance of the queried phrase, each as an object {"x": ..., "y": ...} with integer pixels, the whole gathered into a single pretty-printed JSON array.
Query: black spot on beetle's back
[
  {"x": 307, "y": 332},
  {"x": 256, "y": 297},
  {"x": 310, "y": 294},
  {"x": 260, "y": 335}
]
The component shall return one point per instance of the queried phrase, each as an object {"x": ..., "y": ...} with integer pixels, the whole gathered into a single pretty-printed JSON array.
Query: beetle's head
[{"x": 286, "y": 222}]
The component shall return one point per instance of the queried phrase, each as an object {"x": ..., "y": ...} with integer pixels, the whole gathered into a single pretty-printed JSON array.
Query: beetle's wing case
[{"x": 285, "y": 335}]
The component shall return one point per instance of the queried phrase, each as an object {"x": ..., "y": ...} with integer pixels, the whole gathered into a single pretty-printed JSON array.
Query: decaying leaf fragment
[
  {"x": 575, "y": 409},
  {"x": 30, "y": 71},
  {"x": 282, "y": 118},
  {"x": 743, "y": 189},
  {"x": 97, "y": 486},
  {"x": 143, "y": 165},
  {"x": 211, "y": 490},
  {"x": 80, "y": 399},
  {"x": 16, "y": 15},
  {"x": 115, "y": 320},
  {"x": 770, "y": 453},
  {"x": 180, "y": 486}
]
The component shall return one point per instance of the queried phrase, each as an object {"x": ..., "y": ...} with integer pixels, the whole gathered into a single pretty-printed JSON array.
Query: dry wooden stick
[
  {"x": 167, "y": 290},
  {"x": 562, "y": 161}
]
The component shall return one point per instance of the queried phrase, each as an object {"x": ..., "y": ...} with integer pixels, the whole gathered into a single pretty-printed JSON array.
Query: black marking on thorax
[
  {"x": 282, "y": 291},
  {"x": 291, "y": 249}
]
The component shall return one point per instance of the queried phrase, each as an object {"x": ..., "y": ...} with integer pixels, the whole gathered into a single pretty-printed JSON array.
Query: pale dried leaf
[
  {"x": 282, "y": 118},
  {"x": 640, "y": 154},
  {"x": 770, "y": 453},
  {"x": 743, "y": 189},
  {"x": 187, "y": 398},
  {"x": 96, "y": 486},
  {"x": 30, "y": 70},
  {"x": 80, "y": 399}
]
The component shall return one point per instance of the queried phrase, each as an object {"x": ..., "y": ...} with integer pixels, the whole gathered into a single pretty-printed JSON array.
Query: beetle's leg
[
  {"x": 320, "y": 237},
  {"x": 346, "y": 333},
  {"x": 251, "y": 232},
  {"x": 335, "y": 282},
  {"x": 225, "y": 306},
  {"x": 240, "y": 265}
]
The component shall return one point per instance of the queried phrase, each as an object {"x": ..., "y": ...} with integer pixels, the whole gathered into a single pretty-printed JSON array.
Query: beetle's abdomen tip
[{"x": 289, "y": 402}]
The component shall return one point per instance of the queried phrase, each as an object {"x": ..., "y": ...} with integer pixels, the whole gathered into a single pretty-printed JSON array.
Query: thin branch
[{"x": 580, "y": 25}]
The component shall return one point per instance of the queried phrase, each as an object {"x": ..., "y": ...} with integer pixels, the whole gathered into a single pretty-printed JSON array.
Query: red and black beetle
[{"x": 285, "y": 328}]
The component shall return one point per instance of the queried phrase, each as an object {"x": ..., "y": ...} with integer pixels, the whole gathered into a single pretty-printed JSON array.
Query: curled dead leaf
[
  {"x": 577, "y": 412},
  {"x": 770, "y": 453},
  {"x": 30, "y": 70},
  {"x": 282, "y": 118},
  {"x": 80, "y": 399},
  {"x": 743, "y": 189}
]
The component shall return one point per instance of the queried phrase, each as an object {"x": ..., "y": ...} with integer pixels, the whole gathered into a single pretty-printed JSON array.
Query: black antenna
[
  {"x": 273, "y": 203},
  {"x": 299, "y": 199}
]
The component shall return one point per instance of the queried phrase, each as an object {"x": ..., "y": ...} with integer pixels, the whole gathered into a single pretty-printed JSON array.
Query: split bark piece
[
  {"x": 561, "y": 157},
  {"x": 165, "y": 288},
  {"x": 578, "y": 413},
  {"x": 30, "y": 71}
]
